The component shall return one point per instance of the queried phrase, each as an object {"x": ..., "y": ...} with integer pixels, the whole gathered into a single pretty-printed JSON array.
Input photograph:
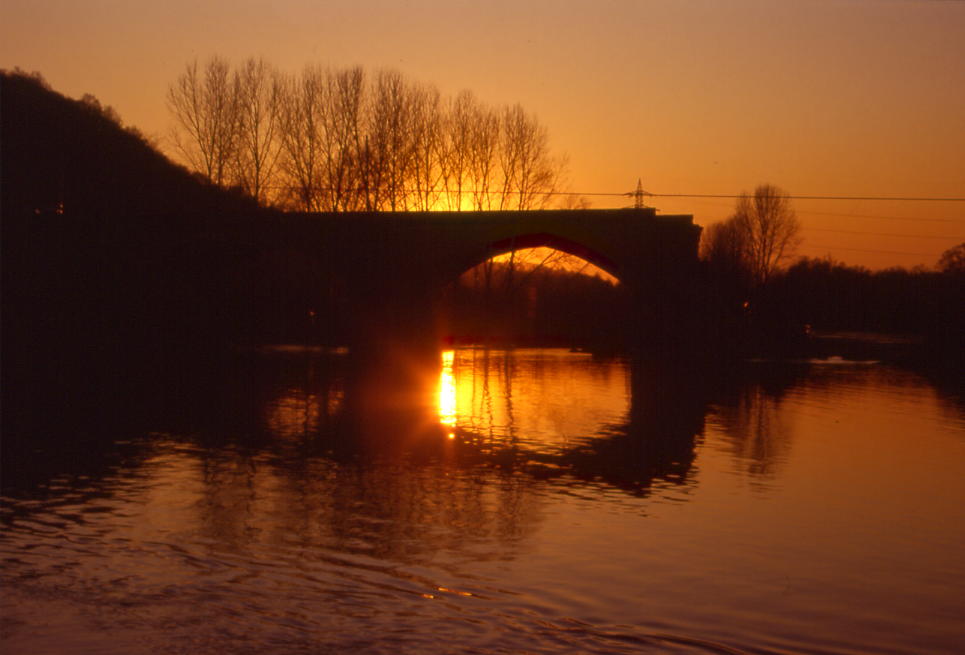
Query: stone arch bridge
[{"x": 388, "y": 268}]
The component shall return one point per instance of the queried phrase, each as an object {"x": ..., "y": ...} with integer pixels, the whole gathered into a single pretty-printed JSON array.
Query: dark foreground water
[{"x": 533, "y": 502}]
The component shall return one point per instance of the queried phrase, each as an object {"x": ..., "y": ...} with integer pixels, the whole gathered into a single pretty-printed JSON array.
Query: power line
[
  {"x": 889, "y": 218},
  {"x": 883, "y": 252},
  {"x": 880, "y": 234}
]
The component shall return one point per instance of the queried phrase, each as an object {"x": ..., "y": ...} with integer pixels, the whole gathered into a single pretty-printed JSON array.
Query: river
[{"x": 527, "y": 501}]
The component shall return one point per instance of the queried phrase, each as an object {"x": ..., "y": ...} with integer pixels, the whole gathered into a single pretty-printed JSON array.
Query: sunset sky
[{"x": 820, "y": 97}]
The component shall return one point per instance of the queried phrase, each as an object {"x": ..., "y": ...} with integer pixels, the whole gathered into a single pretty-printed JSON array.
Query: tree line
[
  {"x": 759, "y": 297},
  {"x": 833, "y": 296},
  {"x": 341, "y": 139}
]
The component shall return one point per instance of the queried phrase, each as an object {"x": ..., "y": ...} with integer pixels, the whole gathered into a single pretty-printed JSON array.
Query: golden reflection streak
[{"x": 447, "y": 392}]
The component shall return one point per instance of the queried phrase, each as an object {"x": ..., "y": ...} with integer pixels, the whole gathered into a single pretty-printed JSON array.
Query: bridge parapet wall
[{"x": 628, "y": 243}]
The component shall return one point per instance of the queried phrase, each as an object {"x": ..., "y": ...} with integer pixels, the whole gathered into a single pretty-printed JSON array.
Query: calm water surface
[{"x": 536, "y": 501}]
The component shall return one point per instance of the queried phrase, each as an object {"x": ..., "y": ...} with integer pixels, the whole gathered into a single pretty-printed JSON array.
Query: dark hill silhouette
[
  {"x": 113, "y": 258},
  {"x": 72, "y": 156}
]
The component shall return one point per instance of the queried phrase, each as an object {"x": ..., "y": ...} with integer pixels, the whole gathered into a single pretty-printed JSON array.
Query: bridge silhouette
[
  {"x": 116, "y": 262},
  {"x": 388, "y": 269}
]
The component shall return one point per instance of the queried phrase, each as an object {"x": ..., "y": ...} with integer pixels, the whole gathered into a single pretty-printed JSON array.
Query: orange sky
[{"x": 821, "y": 97}]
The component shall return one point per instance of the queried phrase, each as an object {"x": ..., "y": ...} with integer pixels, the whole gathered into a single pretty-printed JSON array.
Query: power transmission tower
[{"x": 638, "y": 196}]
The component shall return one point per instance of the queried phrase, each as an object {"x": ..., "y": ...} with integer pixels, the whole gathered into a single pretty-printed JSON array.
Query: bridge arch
[
  {"x": 556, "y": 242},
  {"x": 540, "y": 298}
]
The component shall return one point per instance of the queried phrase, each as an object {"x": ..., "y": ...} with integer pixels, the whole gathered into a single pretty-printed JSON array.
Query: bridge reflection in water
[{"x": 547, "y": 413}]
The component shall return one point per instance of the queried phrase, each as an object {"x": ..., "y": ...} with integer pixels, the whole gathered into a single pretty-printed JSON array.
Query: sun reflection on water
[
  {"x": 502, "y": 396},
  {"x": 447, "y": 392}
]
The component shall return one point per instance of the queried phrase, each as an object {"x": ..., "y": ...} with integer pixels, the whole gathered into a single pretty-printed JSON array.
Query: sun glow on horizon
[{"x": 556, "y": 260}]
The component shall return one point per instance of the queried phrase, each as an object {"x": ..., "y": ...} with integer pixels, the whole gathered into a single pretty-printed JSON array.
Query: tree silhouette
[
  {"x": 338, "y": 140},
  {"x": 753, "y": 243},
  {"x": 530, "y": 176},
  {"x": 768, "y": 229},
  {"x": 427, "y": 140},
  {"x": 258, "y": 101},
  {"x": 458, "y": 145},
  {"x": 204, "y": 106},
  {"x": 344, "y": 103},
  {"x": 303, "y": 117}
]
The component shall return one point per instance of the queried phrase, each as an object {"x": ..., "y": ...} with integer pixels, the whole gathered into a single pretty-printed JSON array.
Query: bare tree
[
  {"x": 389, "y": 143},
  {"x": 259, "y": 103},
  {"x": 335, "y": 142},
  {"x": 427, "y": 145},
  {"x": 457, "y": 147},
  {"x": 484, "y": 155},
  {"x": 530, "y": 173},
  {"x": 768, "y": 230},
  {"x": 204, "y": 105},
  {"x": 302, "y": 136},
  {"x": 343, "y": 119},
  {"x": 513, "y": 129}
]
